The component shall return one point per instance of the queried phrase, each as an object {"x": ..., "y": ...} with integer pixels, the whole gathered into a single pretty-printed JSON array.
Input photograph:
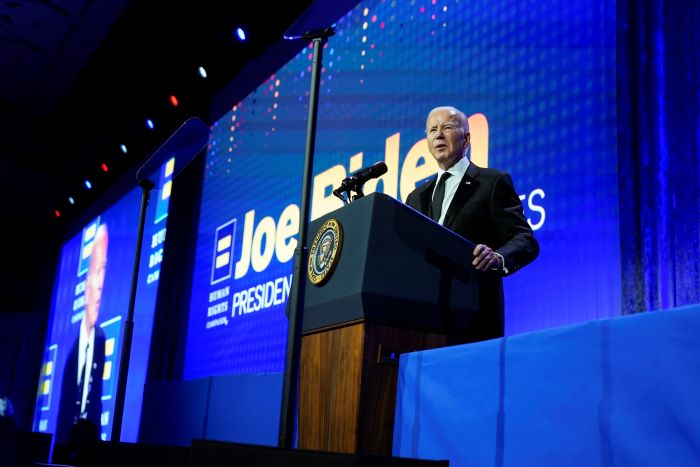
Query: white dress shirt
[{"x": 82, "y": 343}]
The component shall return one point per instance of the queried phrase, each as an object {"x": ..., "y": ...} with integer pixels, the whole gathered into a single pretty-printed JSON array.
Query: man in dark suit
[
  {"x": 481, "y": 205},
  {"x": 81, "y": 390}
]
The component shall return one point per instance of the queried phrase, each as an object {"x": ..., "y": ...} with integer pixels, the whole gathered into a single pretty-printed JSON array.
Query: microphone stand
[{"x": 347, "y": 186}]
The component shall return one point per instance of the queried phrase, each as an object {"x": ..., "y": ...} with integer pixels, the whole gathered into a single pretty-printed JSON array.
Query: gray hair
[{"x": 454, "y": 110}]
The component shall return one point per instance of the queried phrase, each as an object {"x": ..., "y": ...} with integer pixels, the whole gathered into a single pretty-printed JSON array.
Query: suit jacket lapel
[
  {"x": 465, "y": 189},
  {"x": 426, "y": 197}
]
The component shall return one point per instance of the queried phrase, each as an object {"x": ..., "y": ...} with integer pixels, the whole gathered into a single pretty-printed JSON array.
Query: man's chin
[
  {"x": 89, "y": 320},
  {"x": 445, "y": 159}
]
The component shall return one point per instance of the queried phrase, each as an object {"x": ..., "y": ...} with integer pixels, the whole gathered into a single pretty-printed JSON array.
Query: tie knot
[{"x": 444, "y": 177}]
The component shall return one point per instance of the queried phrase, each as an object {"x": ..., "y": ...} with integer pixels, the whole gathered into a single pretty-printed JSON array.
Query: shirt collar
[
  {"x": 84, "y": 338},
  {"x": 458, "y": 170}
]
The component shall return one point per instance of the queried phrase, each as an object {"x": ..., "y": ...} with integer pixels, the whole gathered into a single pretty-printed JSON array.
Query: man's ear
[{"x": 466, "y": 140}]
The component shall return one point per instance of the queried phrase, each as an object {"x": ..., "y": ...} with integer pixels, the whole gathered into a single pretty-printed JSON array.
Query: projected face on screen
[
  {"x": 537, "y": 83},
  {"x": 96, "y": 278}
]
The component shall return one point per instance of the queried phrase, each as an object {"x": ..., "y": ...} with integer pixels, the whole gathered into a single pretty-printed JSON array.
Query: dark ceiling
[{"x": 77, "y": 79}]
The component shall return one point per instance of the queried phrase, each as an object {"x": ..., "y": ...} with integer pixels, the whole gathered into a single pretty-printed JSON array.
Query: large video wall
[
  {"x": 90, "y": 302},
  {"x": 537, "y": 80}
]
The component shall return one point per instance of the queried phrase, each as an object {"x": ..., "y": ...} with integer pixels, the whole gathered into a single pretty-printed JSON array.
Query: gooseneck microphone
[
  {"x": 368, "y": 173},
  {"x": 357, "y": 180}
]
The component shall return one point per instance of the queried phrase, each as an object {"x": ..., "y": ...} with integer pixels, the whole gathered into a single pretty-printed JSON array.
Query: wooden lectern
[{"x": 401, "y": 283}]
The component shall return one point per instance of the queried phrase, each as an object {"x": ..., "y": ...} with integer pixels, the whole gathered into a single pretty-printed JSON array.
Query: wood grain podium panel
[
  {"x": 329, "y": 389},
  {"x": 347, "y": 385}
]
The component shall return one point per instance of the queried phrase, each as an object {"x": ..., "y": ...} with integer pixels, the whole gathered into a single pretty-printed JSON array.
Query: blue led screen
[
  {"x": 537, "y": 80},
  {"x": 63, "y": 394}
]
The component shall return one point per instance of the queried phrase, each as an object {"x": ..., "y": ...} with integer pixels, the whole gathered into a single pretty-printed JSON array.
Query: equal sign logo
[
  {"x": 47, "y": 378},
  {"x": 89, "y": 233},
  {"x": 222, "y": 263}
]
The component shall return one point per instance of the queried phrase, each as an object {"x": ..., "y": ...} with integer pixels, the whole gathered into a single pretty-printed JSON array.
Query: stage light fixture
[
  {"x": 149, "y": 124},
  {"x": 240, "y": 33},
  {"x": 123, "y": 148},
  {"x": 173, "y": 101},
  {"x": 104, "y": 167},
  {"x": 88, "y": 185},
  {"x": 71, "y": 200},
  {"x": 57, "y": 213},
  {"x": 202, "y": 72}
]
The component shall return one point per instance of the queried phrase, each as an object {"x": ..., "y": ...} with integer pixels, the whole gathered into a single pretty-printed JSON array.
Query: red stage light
[
  {"x": 57, "y": 213},
  {"x": 104, "y": 167},
  {"x": 173, "y": 101}
]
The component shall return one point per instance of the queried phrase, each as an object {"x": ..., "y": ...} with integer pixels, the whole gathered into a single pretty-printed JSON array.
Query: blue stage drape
[
  {"x": 22, "y": 337},
  {"x": 658, "y": 66}
]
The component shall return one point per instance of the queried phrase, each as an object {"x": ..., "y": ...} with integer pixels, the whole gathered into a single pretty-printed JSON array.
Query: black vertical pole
[
  {"x": 146, "y": 186},
  {"x": 288, "y": 413}
]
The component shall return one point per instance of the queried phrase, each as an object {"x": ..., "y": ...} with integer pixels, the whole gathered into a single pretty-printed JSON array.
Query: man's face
[
  {"x": 95, "y": 280},
  {"x": 447, "y": 140}
]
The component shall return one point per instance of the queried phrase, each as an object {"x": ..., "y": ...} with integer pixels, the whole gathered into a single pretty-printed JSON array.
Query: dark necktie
[
  {"x": 85, "y": 372},
  {"x": 438, "y": 197}
]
